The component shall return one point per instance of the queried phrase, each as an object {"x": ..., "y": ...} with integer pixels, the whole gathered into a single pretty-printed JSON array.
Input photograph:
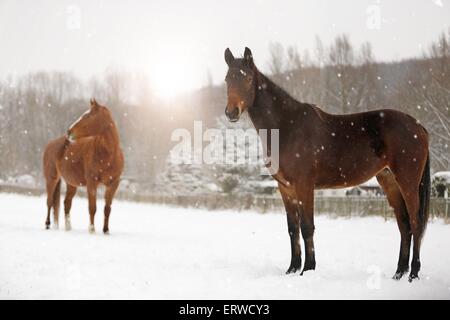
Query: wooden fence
[{"x": 354, "y": 206}]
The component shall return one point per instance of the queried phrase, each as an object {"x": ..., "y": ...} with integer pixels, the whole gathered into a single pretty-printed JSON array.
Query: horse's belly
[
  {"x": 344, "y": 182},
  {"x": 348, "y": 173},
  {"x": 72, "y": 170}
]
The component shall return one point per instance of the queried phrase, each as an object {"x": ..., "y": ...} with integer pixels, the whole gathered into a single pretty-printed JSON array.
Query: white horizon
[{"x": 176, "y": 43}]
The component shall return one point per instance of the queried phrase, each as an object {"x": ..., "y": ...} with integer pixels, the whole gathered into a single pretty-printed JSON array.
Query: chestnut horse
[
  {"x": 321, "y": 150},
  {"x": 89, "y": 155}
]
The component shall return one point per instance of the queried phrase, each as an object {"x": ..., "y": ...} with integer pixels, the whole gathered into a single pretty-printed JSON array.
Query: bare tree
[
  {"x": 349, "y": 76},
  {"x": 294, "y": 60},
  {"x": 426, "y": 94}
]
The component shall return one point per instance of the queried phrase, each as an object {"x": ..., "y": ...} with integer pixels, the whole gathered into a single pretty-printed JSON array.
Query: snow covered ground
[{"x": 157, "y": 252}]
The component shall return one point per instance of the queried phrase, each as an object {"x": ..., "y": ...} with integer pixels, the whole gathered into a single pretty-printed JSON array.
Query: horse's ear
[
  {"x": 229, "y": 58},
  {"x": 93, "y": 103},
  {"x": 248, "y": 57}
]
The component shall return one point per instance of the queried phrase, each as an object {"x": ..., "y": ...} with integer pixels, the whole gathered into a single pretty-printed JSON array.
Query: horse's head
[
  {"x": 241, "y": 84},
  {"x": 91, "y": 123}
]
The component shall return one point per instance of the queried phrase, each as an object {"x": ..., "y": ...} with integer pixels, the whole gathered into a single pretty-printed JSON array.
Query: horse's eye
[{"x": 249, "y": 78}]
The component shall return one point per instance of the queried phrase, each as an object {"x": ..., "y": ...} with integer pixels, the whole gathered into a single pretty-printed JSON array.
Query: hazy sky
[{"x": 182, "y": 39}]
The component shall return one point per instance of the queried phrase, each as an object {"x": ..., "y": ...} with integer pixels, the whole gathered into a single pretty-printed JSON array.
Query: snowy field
[{"x": 157, "y": 252}]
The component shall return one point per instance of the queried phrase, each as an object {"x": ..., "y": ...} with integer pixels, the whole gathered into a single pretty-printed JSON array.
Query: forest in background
[{"x": 40, "y": 106}]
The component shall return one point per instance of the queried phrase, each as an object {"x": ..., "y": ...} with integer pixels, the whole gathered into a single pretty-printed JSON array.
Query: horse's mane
[{"x": 285, "y": 100}]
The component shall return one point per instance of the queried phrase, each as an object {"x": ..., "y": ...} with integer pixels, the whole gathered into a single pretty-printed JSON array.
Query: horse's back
[
  {"x": 379, "y": 123},
  {"x": 380, "y": 115}
]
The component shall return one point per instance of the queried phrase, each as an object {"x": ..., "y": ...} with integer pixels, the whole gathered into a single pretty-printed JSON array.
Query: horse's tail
[{"x": 424, "y": 194}]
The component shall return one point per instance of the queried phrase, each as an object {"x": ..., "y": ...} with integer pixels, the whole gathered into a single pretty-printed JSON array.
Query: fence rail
[{"x": 354, "y": 206}]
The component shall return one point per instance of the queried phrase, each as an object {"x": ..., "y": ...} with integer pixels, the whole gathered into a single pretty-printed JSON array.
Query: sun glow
[{"x": 173, "y": 71}]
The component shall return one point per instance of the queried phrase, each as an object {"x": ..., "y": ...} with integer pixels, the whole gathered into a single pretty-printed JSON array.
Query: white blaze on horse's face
[
  {"x": 70, "y": 135},
  {"x": 79, "y": 119}
]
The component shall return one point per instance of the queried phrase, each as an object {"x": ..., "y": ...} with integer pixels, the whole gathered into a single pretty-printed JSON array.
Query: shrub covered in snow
[
  {"x": 183, "y": 176},
  {"x": 441, "y": 184}
]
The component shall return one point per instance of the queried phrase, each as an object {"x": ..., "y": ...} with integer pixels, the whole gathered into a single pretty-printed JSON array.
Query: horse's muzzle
[{"x": 233, "y": 115}]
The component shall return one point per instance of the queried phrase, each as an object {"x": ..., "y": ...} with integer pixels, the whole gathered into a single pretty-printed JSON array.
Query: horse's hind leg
[
  {"x": 412, "y": 203},
  {"x": 109, "y": 195},
  {"x": 395, "y": 199},
  {"x": 51, "y": 187},
  {"x": 56, "y": 204},
  {"x": 70, "y": 193},
  {"x": 409, "y": 183},
  {"x": 49, "y": 209}
]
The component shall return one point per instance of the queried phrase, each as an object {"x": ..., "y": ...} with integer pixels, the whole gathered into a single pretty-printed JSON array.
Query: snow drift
[{"x": 157, "y": 252}]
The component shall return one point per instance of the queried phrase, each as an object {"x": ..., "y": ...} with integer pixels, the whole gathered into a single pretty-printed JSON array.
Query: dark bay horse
[
  {"x": 89, "y": 155},
  {"x": 321, "y": 150}
]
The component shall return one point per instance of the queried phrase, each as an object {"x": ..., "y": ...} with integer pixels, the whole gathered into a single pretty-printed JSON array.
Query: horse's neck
[{"x": 271, "y": 103}]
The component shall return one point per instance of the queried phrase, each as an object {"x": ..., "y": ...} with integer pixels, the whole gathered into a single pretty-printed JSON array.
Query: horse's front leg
[
  {"x": 290, "y": 203},
  {"x": 109, "y": 195},
  {"x": 70, "y": 193},
  {"x": 92, "y": 198},
  {"x": 306, "y": 210}
]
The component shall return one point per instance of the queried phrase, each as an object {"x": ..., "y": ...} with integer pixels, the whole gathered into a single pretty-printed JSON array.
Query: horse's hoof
[
  {"x": 310, "y": 264},
  {"x": 47, "y": 227},
  {"x": 413, "y": 277},
  {"x": 292, "y": 270},
  {"x": 68, "y": 226},
  {"x": 106, "y": 232},
  {"x": 55, "y": 226},
  {"x": 91, "y": 229},
  {"x": 307, "y": 269},
  {"x": 399, "y": 274}
]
